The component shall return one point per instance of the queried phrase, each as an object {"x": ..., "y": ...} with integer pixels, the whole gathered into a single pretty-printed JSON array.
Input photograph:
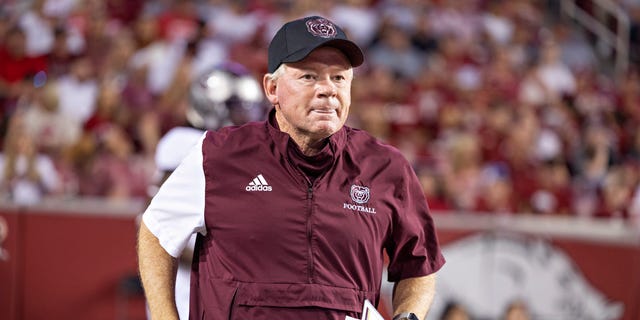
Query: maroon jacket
[{"x": 279, "y": 246}]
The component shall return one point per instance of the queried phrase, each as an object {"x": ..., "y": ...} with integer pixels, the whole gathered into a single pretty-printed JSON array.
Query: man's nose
[{"x": 326, "y": 88}]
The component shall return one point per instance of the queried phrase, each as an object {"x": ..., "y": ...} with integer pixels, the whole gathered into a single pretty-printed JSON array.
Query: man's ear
[{"x": 269, "y": 86}]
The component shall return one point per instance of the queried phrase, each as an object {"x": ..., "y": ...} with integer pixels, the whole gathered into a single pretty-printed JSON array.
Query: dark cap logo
[{"x": 321, "y": 28}]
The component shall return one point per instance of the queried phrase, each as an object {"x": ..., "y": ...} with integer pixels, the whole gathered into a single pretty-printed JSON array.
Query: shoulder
[
  {"x": 370, "y": 154},
  {"x": 180, "y": 136},
  {"x": 225, "y": 135},
  {"x": 175, "y": 145},
  {"x": 362, "y": 144},
  {"x": 234, "y": 140}
]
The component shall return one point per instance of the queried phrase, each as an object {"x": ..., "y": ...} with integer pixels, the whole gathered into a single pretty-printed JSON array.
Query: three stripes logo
[{"x": 259, "y": 183}]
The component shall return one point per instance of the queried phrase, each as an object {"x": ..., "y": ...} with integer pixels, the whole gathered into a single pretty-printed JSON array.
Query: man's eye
[{"x": 308, "y": 77}]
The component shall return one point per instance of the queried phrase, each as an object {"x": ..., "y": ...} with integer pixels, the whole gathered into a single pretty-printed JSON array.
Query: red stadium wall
[{"x": 68, "y": 266}]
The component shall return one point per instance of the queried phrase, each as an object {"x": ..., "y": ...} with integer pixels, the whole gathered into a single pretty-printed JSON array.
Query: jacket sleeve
[{"x": 413, "y": 247}]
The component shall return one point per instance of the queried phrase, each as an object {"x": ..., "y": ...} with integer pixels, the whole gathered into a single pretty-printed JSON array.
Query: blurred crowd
[{"x": 502, "y": 106}]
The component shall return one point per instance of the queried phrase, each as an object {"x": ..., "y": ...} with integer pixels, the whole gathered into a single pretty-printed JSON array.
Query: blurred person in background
[
  {"x": 76, "y": 164},
  {"x": 61, "y": 55},
  {"x": 359, "y": 18},
  {"x": 395, "y": 52},
  {"x": 614, "y": 195},
  {"x": 462, "y": 171},
  {"x": 17, "y": 70},
  {"x": 38, "y": 28},
  {"x": 433, "y": 186},
  {"x": 596, "y": 155},
  {"x": 99, "y": 37},
  {"x": 178, "y": 22},
  {"x": 78, "y": 91},
  {"x": 496, "y": 195},
  {"x": 124, "y": 11},
  {"x": 53, "y": 131},
  {"x": 494, "y": 129},
  {"x": 116, "y": 172},
  {"x": 145, "y": 124},
  {"x": 109, "y": 109},
  {"x": 518, "y": 151},
  {"x": 500, "y": 76},
  {"x": 26, "y": 176},
  {"x": 497, "y": 24},
  {"x": 457, "y": 19},
  {"x": 552, "y": 192},
  {"x": 549, "y": 79},
  {"x": 232, "y": 22},
  {"x": 155, "y": 54}
]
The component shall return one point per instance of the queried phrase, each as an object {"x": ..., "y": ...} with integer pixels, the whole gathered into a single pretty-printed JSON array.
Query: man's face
[{"x": 312, "y": 96}]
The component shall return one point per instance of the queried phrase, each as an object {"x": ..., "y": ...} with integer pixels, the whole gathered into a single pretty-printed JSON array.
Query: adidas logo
[{"x": 258, "y": 184}]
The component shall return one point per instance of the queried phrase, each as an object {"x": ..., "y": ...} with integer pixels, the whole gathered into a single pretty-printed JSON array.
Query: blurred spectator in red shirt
[
  {"x": 125, "y": 11},
  {"x": 17, "y": 69},
  {"x": 501, "y": 77},
  {"x": 109, "y": 110},
  {"x": 179, "y": 21},
  {"x": 518, "y": 152},
  {"x": 61, "y": 56},
  {"x": 496, "y": 127}
]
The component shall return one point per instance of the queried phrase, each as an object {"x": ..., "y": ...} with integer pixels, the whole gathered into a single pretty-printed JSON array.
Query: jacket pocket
[
  {"x": 217, "y": 299},
  {"x": 297, "y": 301}
]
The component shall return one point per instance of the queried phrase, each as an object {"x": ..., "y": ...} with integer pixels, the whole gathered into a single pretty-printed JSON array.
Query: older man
[{"x": 293, "y": 214}]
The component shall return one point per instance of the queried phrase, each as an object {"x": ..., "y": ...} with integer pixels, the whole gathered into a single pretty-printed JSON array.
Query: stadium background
[{"x": 520, "y": 117}]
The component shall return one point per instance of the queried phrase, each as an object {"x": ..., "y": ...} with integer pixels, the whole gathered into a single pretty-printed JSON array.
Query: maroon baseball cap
[{"x": 297, "y": 38}]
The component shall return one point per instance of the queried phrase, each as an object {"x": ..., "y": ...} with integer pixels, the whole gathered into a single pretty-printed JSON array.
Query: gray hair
[{"x": 278, "y": 73}]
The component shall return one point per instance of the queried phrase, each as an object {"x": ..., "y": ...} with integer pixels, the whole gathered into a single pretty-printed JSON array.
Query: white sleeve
[{"x": 177, "y": 210}]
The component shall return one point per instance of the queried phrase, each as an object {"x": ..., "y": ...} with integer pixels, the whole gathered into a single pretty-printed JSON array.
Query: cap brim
[{"x": 348, "y": 48}]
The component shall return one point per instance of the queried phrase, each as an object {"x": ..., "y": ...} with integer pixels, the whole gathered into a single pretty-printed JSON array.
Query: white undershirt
[{"x": 177, "y": 210}]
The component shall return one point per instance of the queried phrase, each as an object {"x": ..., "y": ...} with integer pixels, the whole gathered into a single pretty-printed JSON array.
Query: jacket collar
[{"x": 337, "y": 141}]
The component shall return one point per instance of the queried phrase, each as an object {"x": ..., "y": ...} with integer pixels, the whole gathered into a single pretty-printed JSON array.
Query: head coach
[{"x": 293, "y": 214}]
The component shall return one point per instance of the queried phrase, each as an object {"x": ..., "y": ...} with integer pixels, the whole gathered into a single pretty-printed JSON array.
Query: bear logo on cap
[{"x": 321, "y": 28}]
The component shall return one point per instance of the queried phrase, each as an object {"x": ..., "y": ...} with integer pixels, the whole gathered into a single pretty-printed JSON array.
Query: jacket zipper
[{"x": 310, "y": 263}]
